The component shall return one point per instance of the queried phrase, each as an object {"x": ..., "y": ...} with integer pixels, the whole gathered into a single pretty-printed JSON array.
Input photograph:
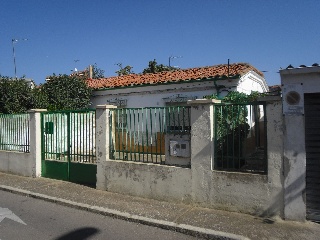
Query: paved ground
[
  {"x": 27, "y": 218},
  {"x": 209, "y": 223}
]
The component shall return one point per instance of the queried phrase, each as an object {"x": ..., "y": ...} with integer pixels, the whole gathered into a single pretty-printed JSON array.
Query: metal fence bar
[
  {"x": 139, "y": 133},
  {"x": 69, "y": 136},
  {"x": 15, "y": 132},
  {"x": 240, "y": 143}
]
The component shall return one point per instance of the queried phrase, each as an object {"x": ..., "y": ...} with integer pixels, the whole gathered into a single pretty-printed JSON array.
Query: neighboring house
[
  {"x": 87, "y": 73},
  {"x": 275, "y": 90},
  {"x": 301, "y": 111},
  {"x": 30, "y": 82},
  {"x": 176, "y": 87}
]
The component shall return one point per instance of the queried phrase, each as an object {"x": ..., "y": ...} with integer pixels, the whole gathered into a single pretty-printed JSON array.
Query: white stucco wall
[
  {"x": 252, "y": 82},
  {"x": 17, "y": 163},
  {"x": 307, "y": 77},
  {"x": 303, "y": 80},
  {"x": 153, "y": 96}
]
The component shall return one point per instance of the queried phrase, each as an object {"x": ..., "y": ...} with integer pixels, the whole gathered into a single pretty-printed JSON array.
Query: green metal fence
[
  {"x": 240, "y": 137},
  {"x": 138, "y": 134},
  {"x": 69, "y": 136},
  {"x": 15, "y": 132}
]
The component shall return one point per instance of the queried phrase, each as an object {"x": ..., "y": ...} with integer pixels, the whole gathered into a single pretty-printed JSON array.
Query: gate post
[
  {"x": 102, "y": 143},
  {"x": 35, "y": 140},
  {"x": 202, "y": 147}
]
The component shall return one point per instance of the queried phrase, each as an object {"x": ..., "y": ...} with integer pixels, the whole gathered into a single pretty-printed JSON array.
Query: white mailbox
[{"x": 180, "y": 148}]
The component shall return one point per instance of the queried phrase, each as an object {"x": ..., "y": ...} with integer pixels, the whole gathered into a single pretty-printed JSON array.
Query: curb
[{"x": 182, "y": 228}]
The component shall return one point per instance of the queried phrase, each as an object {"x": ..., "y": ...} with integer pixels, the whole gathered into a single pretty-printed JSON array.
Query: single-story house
[
  {"x": 301, "y": 113},
  {"x": 176, "y": 87}
]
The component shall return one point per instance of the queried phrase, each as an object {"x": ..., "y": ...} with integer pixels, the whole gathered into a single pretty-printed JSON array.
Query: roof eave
[{"x": 212, "y": 78}]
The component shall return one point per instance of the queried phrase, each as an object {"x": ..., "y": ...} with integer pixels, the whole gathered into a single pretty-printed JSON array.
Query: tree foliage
[
  {"x": 232, "y": 126},
  {"x": 154, "y": 67},
  {"x": 65, "y": 92},
  {"x": 15, "y": 95},
  {"x": 61, "y": 92},
  {"x": 97, "y": 72},
  {"x": 237, "y": 97},
  {"x": 40, "y": 98},
  {"x": 124, "y": 70}
]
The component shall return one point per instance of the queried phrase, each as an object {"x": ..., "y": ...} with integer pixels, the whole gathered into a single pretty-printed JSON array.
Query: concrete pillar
[
  {"x": 202, "y": 147},
  {"x": 274, "y": 146},
  {"x": 102, "y": 143},
  {"x": 294, "y": 157},
  {"x": 35, "y": 140}
]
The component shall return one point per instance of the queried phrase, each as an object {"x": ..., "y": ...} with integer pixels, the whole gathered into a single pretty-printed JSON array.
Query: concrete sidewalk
[{"x": 202, "y": 222}]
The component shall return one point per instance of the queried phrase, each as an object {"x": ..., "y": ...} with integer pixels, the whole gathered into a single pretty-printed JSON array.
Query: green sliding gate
[{"x": 68, "y": 146}]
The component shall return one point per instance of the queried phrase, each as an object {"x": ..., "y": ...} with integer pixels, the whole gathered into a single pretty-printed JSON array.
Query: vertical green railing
[
  {"x": 15, "y": 132},
  {"x": 240, "y": 137},
  {"x": 69, "y": 136},
  {"x": 138, "y": 134}
]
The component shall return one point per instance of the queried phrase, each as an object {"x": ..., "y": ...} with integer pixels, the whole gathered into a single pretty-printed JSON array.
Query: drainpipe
[{"x": 217, "y": 88}]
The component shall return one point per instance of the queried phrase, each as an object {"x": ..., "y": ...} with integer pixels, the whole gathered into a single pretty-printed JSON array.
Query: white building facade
[{"x": 301, "y": 111}]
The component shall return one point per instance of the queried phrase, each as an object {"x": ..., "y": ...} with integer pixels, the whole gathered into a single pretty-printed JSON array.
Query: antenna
[
  {"x": 172, "y": 57},
  {"x": 75, "y": 64},
  {"x": 14, "y": 41}
]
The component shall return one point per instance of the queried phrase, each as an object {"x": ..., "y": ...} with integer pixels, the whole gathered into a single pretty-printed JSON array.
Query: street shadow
[
  {"x": 296, "y": 189},
  {"x": 79, "y": 234}
]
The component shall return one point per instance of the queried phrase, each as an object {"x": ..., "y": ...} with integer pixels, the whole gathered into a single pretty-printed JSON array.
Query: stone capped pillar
[
  {"x": 202, "y": 147},
  {"x": 102, "y": 143},
  {"x": 35, "y": 140}
]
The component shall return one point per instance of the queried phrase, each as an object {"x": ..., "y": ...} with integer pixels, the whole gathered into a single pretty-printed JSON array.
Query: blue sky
[{"x": 267, "y": 34}]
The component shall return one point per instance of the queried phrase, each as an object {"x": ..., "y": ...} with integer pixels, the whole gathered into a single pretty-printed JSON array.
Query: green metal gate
[{"x": 68, "y": 146}]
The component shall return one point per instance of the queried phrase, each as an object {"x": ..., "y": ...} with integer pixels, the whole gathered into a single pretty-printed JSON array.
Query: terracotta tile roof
[{"x": 182, "y": 75}]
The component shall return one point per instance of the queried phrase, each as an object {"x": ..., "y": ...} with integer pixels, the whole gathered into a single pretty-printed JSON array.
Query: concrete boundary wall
[
  {"x": 242, "y": 192},
  {"x": 17, "y": 163},
  {"x": 26, "y": 164},
  {"x": 200, "y": 185},
  {"x": 154, "y": 181}
]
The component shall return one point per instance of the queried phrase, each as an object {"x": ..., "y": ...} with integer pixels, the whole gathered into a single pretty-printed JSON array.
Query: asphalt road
[{"x": 23, "y": 217}]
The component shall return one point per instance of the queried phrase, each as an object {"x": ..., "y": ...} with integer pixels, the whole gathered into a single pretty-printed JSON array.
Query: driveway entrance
[{"x": 68, "y": 146}]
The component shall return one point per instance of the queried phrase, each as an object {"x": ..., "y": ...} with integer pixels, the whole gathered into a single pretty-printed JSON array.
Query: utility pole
[{"x": 14, "y": 54}]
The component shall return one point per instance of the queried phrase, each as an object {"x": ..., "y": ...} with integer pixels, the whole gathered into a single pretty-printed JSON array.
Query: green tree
[
  {"x": 65, "y": 92},
  {"x": 231, "y": 118},
  {"x": 15, "y": 95},
  {"x": 238, "y": 97},
  {"x": 39, "y": 98},
  {"x": 97, "y": 72},
  {"x": 124, "y": 70},
  {"x": 154, "y": 67}
]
